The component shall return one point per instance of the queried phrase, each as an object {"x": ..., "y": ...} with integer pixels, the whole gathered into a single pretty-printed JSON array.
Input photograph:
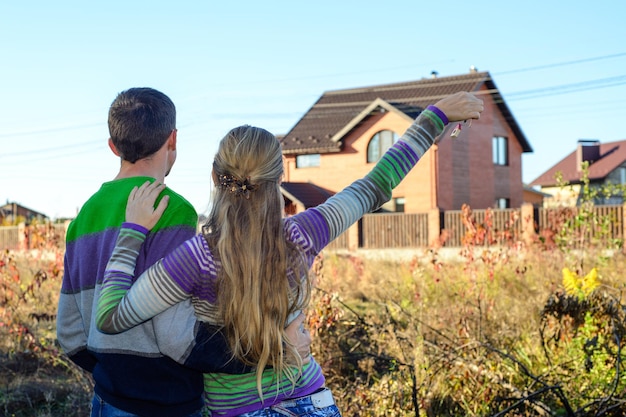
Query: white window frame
[
  {"x": 502, "y": 203},
  {"x": 500, "y": 145},
  {"x": 311, "y": 160}
]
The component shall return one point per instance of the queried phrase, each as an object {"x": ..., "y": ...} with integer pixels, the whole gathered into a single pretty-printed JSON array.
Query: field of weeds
[
  {"x": 506, "y": 333},
  {"x": 36, "y": 379},
  {"x": 517, "y": 330}
]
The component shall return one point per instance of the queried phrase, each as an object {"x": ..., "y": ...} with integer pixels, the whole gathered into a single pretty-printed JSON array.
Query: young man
[{"x": 156, "y": 368}]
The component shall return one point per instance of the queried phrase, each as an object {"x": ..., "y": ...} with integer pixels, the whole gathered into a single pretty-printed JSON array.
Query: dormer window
[{"x": 379, "y": 144}]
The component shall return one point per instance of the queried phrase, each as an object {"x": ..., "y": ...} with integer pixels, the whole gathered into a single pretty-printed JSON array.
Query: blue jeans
[
  {"x": 297, "y": 407},
  {"x": 100, "y": 408}
]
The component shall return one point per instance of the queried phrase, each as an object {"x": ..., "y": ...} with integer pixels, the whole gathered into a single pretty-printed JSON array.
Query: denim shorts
[
  {"x": 318, "y": 404},
  {"x": 100, "y": 408}
]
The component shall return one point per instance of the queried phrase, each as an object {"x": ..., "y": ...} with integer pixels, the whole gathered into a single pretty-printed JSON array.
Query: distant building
[
  {"x": 299, "y": 196},
  {"x": 12, "y": 212},
  {"x": 607, "y": 165},
  {"x": 534, "y": 197}
]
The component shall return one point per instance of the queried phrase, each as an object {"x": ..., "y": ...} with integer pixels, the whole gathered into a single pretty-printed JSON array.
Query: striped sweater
[
  {"x": 147, "y": 370},
  {"x": 190, "y": 271}
]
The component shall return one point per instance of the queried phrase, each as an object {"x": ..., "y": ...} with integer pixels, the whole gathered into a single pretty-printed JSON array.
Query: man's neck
[{"x": 140, "y": 168}]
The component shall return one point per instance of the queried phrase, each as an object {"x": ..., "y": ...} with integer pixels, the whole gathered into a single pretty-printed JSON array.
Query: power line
[
  {"x": 44, "y": 153},
  {"x": 560, "y": 64},
  {"x": 74, "y": 148},
  {"x": 48, "y": 130},
  {"x": 568, "y": 88}
]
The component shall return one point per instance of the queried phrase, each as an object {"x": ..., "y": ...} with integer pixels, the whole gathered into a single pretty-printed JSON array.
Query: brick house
[
  {"x": 346, "y": 131},
  {"x": 606, "y": 165}
]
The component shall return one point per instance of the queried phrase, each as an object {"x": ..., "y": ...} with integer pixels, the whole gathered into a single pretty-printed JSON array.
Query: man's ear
[
  {"x": 171, "y": 140},
  {"x": 113, "y": 148}
]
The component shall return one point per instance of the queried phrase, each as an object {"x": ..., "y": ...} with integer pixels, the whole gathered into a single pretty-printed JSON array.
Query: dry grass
[
  {"x": 36, "y": 380},
  {"x": 463, "y": 336},
  {"x": 401, "y": 333}
]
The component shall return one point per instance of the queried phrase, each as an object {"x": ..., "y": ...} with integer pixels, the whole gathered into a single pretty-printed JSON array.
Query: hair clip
[{"x": 236, "y": 186}]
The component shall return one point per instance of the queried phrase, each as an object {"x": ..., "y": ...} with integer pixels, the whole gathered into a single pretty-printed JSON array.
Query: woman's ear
[{"x": 214, "y": 176}]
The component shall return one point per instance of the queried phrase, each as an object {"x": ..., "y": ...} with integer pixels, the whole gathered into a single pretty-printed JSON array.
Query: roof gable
[
  {"x": 337, "y": 112},
  {"x": 611, "y": 156},
  {"x": 376, "y": 105}
]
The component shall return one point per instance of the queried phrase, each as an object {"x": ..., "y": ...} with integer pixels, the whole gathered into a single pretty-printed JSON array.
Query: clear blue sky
[{"x": 560, "y": 65}]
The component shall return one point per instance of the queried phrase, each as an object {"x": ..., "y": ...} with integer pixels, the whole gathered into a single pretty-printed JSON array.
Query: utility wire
[
  {"x": 38, "y": 154},
  {"x": 568, "y": 88},
  {"x": 560, "y": 64},
  {"x": 48, "y": 130}
]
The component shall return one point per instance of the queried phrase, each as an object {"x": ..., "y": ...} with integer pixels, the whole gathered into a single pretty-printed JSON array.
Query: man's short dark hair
[{"x": 140, "y": 121}]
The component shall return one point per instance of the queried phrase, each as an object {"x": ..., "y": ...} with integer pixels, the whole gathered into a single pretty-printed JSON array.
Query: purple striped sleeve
[
  {"x": 182, "y": 267},
  {"x": 315, "y": 226}
]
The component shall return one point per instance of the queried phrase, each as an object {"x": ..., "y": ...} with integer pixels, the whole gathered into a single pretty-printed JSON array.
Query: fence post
[
  {"x": 21, "y": 236},
  {"x": 527, "y": 216},
  {"x": 434, "y": 227},
  {"x": 624, "y": 228},
  {"x": 353, "y": 237}
]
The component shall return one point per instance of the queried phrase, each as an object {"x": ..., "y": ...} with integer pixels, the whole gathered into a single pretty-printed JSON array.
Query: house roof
[
  {"x": 529, "y": 189},
  {"x": 306, "y": 193},
  {"x": 336, "y": 112},
  {"x": 11, "y": 206},
  {"x": 612, "y": 155}
]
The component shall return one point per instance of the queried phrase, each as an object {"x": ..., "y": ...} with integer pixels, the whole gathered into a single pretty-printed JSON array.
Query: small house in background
[
  {"x": 12, "y": 213},
  {"x": 299, "y": 196},
  {"x": 346, "y": 132},
  {"x": 534, "y": 197},
  {"x": 606, "y": 165}
]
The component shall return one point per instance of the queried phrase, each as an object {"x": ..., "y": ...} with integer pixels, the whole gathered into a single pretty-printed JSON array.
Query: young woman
[{"x": 248, "y": 270}]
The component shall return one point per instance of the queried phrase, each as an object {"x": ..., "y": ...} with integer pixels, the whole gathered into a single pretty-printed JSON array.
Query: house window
[
  {"x": 399, "y": 203},
  {"x": 308, "y": 161},
  {"x": 622, "y": 175},
  {"x": 379, "y": 143},
  {"x": 500, "y": 150},
  {"x": 502, "y": 203}
]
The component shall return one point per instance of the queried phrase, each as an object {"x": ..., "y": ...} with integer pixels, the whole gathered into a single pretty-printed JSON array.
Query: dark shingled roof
[
  {"x": 321, "y": 129},
  {"x": 308, "y": 194},
  {"x": 611, "y": 156}
]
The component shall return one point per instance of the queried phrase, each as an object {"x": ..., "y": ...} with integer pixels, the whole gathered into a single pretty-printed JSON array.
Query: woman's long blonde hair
[{"x": 245, "y": 232}]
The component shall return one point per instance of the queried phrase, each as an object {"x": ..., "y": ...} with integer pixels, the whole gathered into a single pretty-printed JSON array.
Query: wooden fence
[
  {"x": 400, "y": 230},
  {"x": 607, "y": 222},
  {"x": 22, "y": 237},
  {"x": 394, "y": 230},
  {"x": 503, "y": 225},
  {"x": 10, "y": 237}
]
